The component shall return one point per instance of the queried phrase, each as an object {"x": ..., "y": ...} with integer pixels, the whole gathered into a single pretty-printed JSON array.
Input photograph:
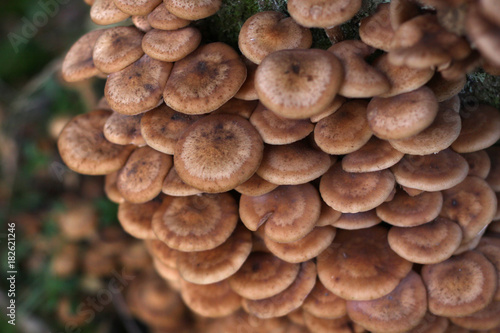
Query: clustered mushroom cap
[
  {"x": 124, "y": 130},
  {"x": 105, "y": 12},
  {"x": 78, "y": 63},
  {"x": 171, "y": 46},
  {"x": 161, "y": 18},
  {"x": 322, "y": 14},
  {"x": 136, "y": 218},
  {"x": 374, "y": 155},
  {"x": 479, "y": 163}
]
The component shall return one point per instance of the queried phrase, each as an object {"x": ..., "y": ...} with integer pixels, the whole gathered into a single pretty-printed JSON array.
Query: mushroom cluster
[{"x": 296, "y": 189}]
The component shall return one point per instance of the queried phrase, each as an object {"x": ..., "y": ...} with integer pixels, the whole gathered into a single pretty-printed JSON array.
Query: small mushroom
[{"x": 322, "y": 14}]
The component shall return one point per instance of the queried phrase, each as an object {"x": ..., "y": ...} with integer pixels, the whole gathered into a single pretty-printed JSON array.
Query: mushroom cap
[
  {"x": 375, "y": 155},
  {"x": 400, "y": 310},
  {"x": 195, "y": 223},
  {"x": 123, "y": 130},
  {"x": 322, "y": 325},
  {"x": 461, "y": 285},
  {"x": 282, "y": 224},
  {"x": 247, "y": 323},
  {"x": 322, "y": 303},
  {"x": 360, "y": 265},
  {"x": 431, "y": 173},
  {"x": 136, "y": 218},
  {"x": 247, "y": 91},
  {"x": 429, "y": 243},
  {"x": 210, "y": 266},
  {"x": 161, "y": 18},
  {"x": 84, "y": 148},
  {"x": 218, "y": 153},
  {"x": 169, "y": 274},
  {"x": 137, "y": 7},
  {"x": 432, "y": 324},
  {"x": 205, "y": 79},
  {"x": 355, "y": 221},
  {"x": 490, "y": 248},
  {"x": 322, "y": 14},
  {"x": 445, "y": 89},
  {"x": 141, "y": 179},
  {"x": 193, "y": 9},
  {"x": 105, "y": 12},
  {"x": 255, "y": 186},
  {"x": 485, "y": 319},
  {"x": 298, "y": 83},
  {"x": 138, "y": 87},
  {"x": 480, "y": 129},
  {"x": 493, "y": 178},
  {"x": 174, "y": 186},
  {"x": 289, "y": 299},
  {"x": 355, "y": 192},
  {"x": 266, "y": 32},
  {"x": 345, "y": 131},
  {"x": 333, "y": 107},
  {"x": 160, "y": 251},
  {"x": 172, "y": 45},
  {"x": 110, "y": 188},
  {"x": 296, "y": 317},
  {"x": 479, "y": 163},
  {"x": 411, "y": 211},
  {"x": 238, "y": 107},
  {"x": 483, "y": 32},
  {"x": 400, "y": 116},
  {"x": 141, "y": 23},
  {"x": 401, "y": 11},
  {"x": 328, "y": 215},
  {"x": 376, "y": 30}
]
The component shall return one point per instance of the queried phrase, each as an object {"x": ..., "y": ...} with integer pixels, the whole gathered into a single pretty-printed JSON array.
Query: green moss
[{"x": 482, "y": 88}]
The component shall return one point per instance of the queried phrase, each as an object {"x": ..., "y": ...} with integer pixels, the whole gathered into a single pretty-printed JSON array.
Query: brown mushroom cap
[
  {"x": 138, "y": 87},
  {"x": 123, "y": 130},
  {"x": 247, "y": 91},
  {"x": 141, "y": 23},
  {"x": 195, "y": 223},
  {"x": 161, "y": 18},
  {"x": 411, "y": 211},
  {"x": 322, "y": 325},
  {"x": 432, "y": 324},
  {"x": 137, "y": 7},
  {"x": 255, "y": 186},
  {"x": 401, "y": 11},
  {"x": 136, "y": 218},
  {"x": 296, "y": 317},
  {"x": 171, "y": 46},
  {"x": 84, "y": 148},
  {"x": 483, "y": 32},
  {"x": 376, "y": 30},
  {"x": 472, "y": 204},
  {"x": 445, "y": 89},
  {"x": 218, "y": 153},
  {"x": 141, "y": 178},
  {"x": 288, "y": 300},
  {"x": 105, "y": 12},
  {"x": 238, "y": 107},
  {"x": 193, "y": 9},
  {"x": 399, "y": 311},
  {"x": 493, "y": 178},
  {"x": 162, "y": 252},
  {"x": 375, "y": 155},
  {"x": 322, "y": 14},
  {"x": 322, "y": 303},
  {"x": 333, "y": 107},
  {"x": 461, "y": 285},
  {"x": 429, "y": 243},
  {"x": 480, "y": 129},
  {"x": 298, "y": 84},
  {"x": 360, "y": 265},
  {"x": 354, "y": 221},
  {"x": 246, "y": 323},
  {"x": 282, "y": 224},
  {"x": 490, "y": 248},
  {"x": 355, "y": 192},
  {"x": 479, "y": 163},
  {"x": 431, "y": 173},
  {"x": 110, "y": 188},
  {"x": 328, "y": 215},
  {"x": 174, "y": 186},
  {"x": 170, "y": 274},
  {"x": 345, "y": 131},
  {"x": 485, "y": 319},
  {"x": 400, "y": 117}
]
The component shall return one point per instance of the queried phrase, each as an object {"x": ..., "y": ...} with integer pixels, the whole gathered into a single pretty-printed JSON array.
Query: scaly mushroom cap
[
  {"x": 124, "y": 130},
  {"x": 267, "y": 32},
  {"x": 137, "y": 7},
  {"x": 218, "y": 153},
  {"x": 322, "y": 303},
  {"x": 193, "y": 9},
  {"x": 375, "y": 155},
  {"x": 173, "y": 185},
  {"x": 195, "y": 223},
  {"x": 355, "y": 221},
  {"x": 171, "y": 46},
  {"x": 161, "y": 18},
  {"x": 399, "y": 311},
  {"x": 322, "y": 14},
  {"x": 360, "y": 265},
  {"x": 136, "y": 218},
  {"x": 84, "y": 148},
  {"x": 461, "y": 285},
  {"x": 430, "y": 243},
  {"x": 479, "y": 163},
  {"x": 298, "y": 84},
  {"x": 105, "y": 12},
  {"x": 255, "y": 186}
]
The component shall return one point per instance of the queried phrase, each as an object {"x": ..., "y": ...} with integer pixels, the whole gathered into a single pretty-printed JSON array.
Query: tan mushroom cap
[
  {"x": 171, "y": 46},
  {"x": 333, "y": 107},
  {"x": 141, "y": 23},
  {"x": 443, "y": 131},
  {"x": 137, "y": 7},
  {"x": 174, "y": 186},
  {"x": 289, "y": 299},
  {"x": 361, "y": 79},
  {"x": 238, "y": 107},
  {"x": 282, "y": 224},
  {"x": 193, "y": 9},
  {"x": 374, "y": 155},
  {"x": 293, "y": 164},
  {"x": 430, "y": 243},
  {"x": 472, "y": 204},
  {"x": 110, "y": 188},
  {"x": 493, "y": 178},
  {"x": 247, "y": 91},
  {"x": 205, "y": 80},
  {"x": 403, "y": 79},
  {"x": 210, "y": 300},
  {"x": 431, "y": 173},
  {"x": 376, "y": 30},
  {"x": 345, "y": 131},
  {"x": 411, "y": 211},
  {"x": 322, "y": 303},
  {"x": 400, "y": 310},
  {"x": 461, "y": 285},
  {"x": 218, "y": 153},
  {"x": 84, "y": 148},
  {"x": 105, "y": 12},
  {"x": 322, "y": 14},
  {"x": 263, "y": 275},
  {"x": 485, "y": 319},
  {"x": 196, "y": 223},
  {"x": 161, "y": 18},
  {"x": 138, "y": 87},
  {"x": 432, "y": 324},
  {"x": 360, "y": 265},
  {"x": 355, "y": 192},
  {"x": 445, "y": 89},
  {"x": 276, "y": 130},
  {"x": 411, "y": 191},
  {"x": 354, "y": 221},
  {"x": 338, "y": 325},
  {"x": 308, "y": 247},
  {"x": 210, "y": 266},
  {"x": 162, "y": 252},
  {"x": 479, "y": 163},
  {"x": 141, "y": 178},
  {"x": 470, "y": 244},
  {"x": 298, "y": 84},
  {"x": 123, "y": 130},
  {"x": 480, "y": 129},
  {"x": 170, "y": 274},
  {"x": 296, "y": 317},
  {"x": 328, "y": 215},
  {"x": 401, "y": 11},
  {"x": 117, "y": 48},
  {"x": 255, "y": 186},
  {"x": 136, "y": 218},
  {"x": 78, "y": 63},
  {"x": 400, "y": 116},
  {"x": 490, "y": 248},
  {"x": 266, "y": 32}
]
